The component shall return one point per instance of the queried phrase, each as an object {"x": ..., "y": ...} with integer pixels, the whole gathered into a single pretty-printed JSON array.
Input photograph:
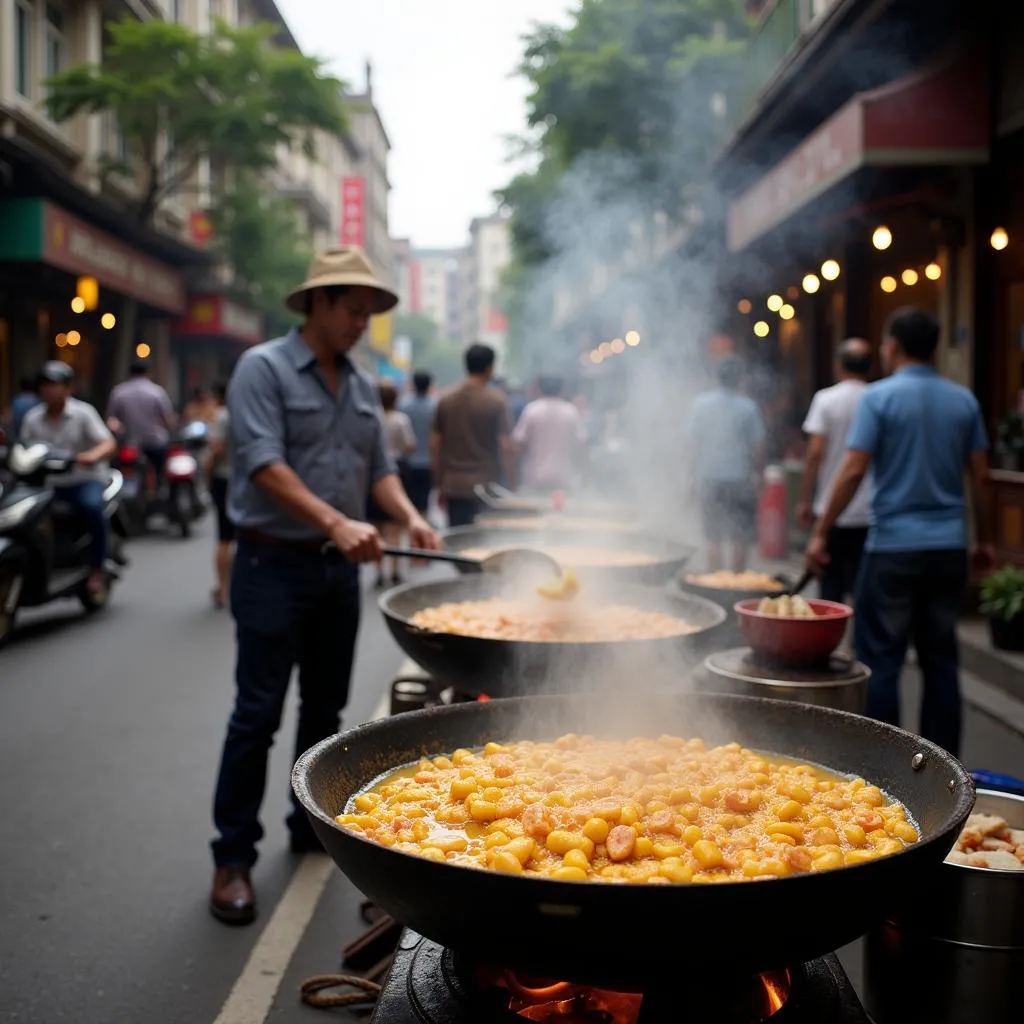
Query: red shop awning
[{"x": 934, "y": 117}]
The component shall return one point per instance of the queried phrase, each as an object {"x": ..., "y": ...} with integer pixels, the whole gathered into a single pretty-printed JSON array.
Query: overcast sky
[{"x": 442, "y": 83}]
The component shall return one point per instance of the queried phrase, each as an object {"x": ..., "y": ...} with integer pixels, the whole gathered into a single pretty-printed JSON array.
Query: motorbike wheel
[
  {"x": 10, "y": 583},
  {"x": 95, "y": 600}
]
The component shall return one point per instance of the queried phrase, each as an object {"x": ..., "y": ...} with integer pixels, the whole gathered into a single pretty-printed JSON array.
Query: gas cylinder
[{"x": 772, "y": 528}]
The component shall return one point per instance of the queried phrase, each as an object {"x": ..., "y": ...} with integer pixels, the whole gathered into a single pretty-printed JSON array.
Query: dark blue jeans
[
  {"x": 291, "y": 608},
  {"x": 913, "y": 596},
  {"x": 87, "y": 497}
]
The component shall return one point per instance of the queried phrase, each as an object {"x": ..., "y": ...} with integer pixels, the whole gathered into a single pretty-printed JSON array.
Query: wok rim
[
  {"x": 964, "y": 794},
  {"x": 395, "y": 592}
]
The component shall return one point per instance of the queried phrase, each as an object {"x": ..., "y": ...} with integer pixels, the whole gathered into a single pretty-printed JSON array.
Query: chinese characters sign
[{"x": 353, "y": 211}]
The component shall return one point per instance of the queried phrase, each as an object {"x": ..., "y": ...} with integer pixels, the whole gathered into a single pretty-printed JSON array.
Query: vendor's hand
[
  {"x": 86, "y": 459},
  {"x": 358, "y": 542},
  {"x": 422, "y": 535},
  {"x": 805, "y": 514},
  {"x": 983, "y": 558},
  {"x": 817, "y": 555}
]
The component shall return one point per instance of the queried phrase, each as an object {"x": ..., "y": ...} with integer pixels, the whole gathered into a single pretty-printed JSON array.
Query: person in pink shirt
[{"x": 549, "y": 437}]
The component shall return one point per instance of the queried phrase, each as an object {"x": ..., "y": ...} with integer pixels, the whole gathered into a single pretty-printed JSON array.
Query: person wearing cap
[
  {"x": 68, "y": 425},
  {"x": 307, "y": 447}
]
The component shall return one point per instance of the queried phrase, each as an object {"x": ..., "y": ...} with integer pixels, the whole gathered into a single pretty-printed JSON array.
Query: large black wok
[
  {"x": 502, "y": 668},
  {"x": 623, "y": 935},
  {"x": 670, "y": 556}
]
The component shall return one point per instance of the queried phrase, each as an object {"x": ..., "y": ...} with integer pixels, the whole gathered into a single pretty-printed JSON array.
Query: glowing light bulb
[
  {"x": 910, "y": 277},
  {"x": 74, "y": 338},
  {"x": 618, "y": 346},
  {"x": 830, "y": 270},
  {"x": 61, "y": 340},
  {"x": 882, "y": 238},
  {"x": 774, "y": 303},
  {"x": 889, "y": 284},
  {"x": 1000, "y": 239},
  {"x": 142, "y": 350},
  {"x": 933, "y": 271},
  {"x": 787, "y": 312},
  {"x": 109, "y": 321},
  {"x": 633, "y": 339},
  {"x": 78, "y": 304},
  {"x": 605, "y": 348},
  {"x": 744, "y": 306},
  {"x": 596, "y": 357},
  {"x": 761, "y": 328},
  {"x": 811, "y": 283}
]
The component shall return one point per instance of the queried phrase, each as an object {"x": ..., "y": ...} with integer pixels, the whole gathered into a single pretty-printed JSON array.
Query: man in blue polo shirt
[{"x": 921, "y": 434}]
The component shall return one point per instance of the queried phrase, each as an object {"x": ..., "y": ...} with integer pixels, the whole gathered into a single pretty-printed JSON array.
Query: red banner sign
[
  {"x": 200, "y": 228},
  {"x": 74, "y": 246},
  {"x": 353, "y": 211},
  {"x": 213, "y": 315}
]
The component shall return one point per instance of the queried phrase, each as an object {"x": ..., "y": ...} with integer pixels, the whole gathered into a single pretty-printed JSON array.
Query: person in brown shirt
[{"x": 470, "y": 442}]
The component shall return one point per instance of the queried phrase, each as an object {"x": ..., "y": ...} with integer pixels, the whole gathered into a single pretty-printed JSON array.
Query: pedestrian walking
[
  {"x": 420, "y": 408},
  {"x": 307, "y": 446},
  {"x": 827, "y": 426},
  {"x": 218, "y": 472},
  {"x": 549, "y": 438},
  {"x": 399, "y": 441},
  {"x": 726, "y": 437},
  {"x": 918, "y": 433},
  {"x": 471, "y": 443}
]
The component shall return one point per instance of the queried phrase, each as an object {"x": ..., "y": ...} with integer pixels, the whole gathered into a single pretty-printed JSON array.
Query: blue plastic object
[{"x": 1002, "y": 783}]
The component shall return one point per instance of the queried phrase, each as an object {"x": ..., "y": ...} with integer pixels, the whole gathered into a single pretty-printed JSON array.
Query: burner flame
[{"x": 776, "y": 991}]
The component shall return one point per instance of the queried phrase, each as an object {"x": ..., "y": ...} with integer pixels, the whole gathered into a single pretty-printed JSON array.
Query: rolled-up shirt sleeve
[
  {"x": 257, "y": 416},
  {"x": 381, "y": 463}
]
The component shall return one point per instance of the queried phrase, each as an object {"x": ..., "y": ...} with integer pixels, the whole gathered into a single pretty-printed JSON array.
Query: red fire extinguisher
[{"x": 772, "y": 528}]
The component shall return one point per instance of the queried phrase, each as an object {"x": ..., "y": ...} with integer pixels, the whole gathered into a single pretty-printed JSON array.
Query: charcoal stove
[{"x": 428, "y": 984}]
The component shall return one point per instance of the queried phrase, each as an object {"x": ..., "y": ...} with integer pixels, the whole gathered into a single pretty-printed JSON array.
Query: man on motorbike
[
  {"x": 141, "y": 409},
  {"x": 68, "y": 425}
]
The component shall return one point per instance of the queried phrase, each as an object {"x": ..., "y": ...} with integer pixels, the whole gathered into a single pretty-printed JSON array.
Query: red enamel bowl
[{"x": 793, "y": 642}]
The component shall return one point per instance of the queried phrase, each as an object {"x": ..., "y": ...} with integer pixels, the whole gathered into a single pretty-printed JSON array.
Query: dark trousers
[
  {"x": 87, "y": 498},
  {"x": 291, "y": 608},
  {"x": 156, "y": 456},
  {"x": 913, "y": 596},
  {"x": 462, "y": 511},
  {"x": 845, "y": 549}
]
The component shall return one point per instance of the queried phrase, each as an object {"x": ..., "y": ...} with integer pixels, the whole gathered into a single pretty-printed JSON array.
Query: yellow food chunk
[{"x": 596, "y": 829}]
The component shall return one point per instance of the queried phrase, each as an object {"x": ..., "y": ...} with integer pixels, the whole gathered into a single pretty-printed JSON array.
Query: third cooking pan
[
  {"x": 622, "y": 935},
  {"x": 505, "y": 667}
]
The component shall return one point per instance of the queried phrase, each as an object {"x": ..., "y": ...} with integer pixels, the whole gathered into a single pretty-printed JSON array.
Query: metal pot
[
  {"x": 955, "y": 955},
  {"x": 843, "y": 685}
]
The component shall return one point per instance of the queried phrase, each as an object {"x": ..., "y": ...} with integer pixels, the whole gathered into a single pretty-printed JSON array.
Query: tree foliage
[
  {"x": 179, "y": 98},
  {"x": 257, "y": 233}
]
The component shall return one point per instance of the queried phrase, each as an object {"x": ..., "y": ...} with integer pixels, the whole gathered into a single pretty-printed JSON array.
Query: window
[
  {"x": 23, "y": 47},
  {"x": 54, "y": 42}
]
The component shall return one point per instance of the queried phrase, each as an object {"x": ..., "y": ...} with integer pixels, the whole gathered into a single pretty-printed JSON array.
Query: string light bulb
[
  {"x": 889, "y": 284},
  {"x": 774, "y": 303},
  {"x": 632, "y": 338},
  {"x": 761, "y": 328},
  {"x": 882, "y": 237},
  {"x": 78, "y": 304},
  {"x": 811, "y": 283},
  {"x": 142, "y": 350},
  {"x": 596, "y": 357},
  {"x": 830, "y": 270},
  {"x": 910, "y": 277},
  {"x": 109, "y": 321},
  {"x": 787, "y": 312},
  {"x": 999, "y": 240},
  {"x": 744, "y": 306},
  {"x": 933, "y": 271},
  {"x": 618, "y": 346},
  {"x": 74, "y": 338}
]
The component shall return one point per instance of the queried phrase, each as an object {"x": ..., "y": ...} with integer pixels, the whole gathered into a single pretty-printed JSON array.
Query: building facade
[{"x": 480, "y": 274}]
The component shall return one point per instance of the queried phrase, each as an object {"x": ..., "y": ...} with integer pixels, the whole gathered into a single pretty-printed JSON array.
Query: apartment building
[{"x": 480, "y": 278}]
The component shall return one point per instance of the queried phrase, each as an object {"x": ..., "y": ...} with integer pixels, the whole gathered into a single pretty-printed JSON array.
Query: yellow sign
[{"x": 382, "y": 330}]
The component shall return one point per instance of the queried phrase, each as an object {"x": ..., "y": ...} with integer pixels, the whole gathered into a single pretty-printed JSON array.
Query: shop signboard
[
  {"x": 381, "y": 332},
  {"x": 216, "y": 315},
  {"x": 46, "y": 233},
  {"x": 353, "y": 211}
]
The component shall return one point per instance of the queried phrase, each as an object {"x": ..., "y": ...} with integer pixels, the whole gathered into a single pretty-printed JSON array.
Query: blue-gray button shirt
[{"x": 282, "y": 410}]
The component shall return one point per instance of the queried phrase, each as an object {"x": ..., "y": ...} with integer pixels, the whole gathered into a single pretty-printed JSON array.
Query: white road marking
[{"x": 252, "y": 997}]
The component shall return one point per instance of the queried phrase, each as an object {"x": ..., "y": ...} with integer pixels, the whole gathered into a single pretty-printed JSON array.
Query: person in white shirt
[
  {"x": 549, "y": 437},
  {"x": 827, "y": 425}
]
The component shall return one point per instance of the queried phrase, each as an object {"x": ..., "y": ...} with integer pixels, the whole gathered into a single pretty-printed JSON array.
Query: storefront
[
  {"x": 207, "y": 341},
  {"x": 71, "y": 291}
]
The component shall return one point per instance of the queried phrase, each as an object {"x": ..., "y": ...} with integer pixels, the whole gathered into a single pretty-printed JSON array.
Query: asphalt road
[{"x": 110, "y": 730}]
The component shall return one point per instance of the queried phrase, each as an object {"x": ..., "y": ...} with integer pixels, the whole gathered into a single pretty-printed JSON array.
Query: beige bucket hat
[{"x": 342, "y": 265}]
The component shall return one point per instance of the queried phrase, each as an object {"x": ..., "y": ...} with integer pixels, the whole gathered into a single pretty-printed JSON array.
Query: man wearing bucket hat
[{"x": 307, "y": 447}]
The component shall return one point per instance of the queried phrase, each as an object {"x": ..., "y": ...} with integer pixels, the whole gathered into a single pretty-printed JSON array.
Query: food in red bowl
[{"x": 794, "y": 640}]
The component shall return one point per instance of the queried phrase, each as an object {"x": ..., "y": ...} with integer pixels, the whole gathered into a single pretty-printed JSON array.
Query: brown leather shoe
[{"x": 232, "y": 900}]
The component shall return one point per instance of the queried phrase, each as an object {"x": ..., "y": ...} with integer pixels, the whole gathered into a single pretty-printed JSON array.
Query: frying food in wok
[
  {"x": 585, "y": 558},
  {"x": 499, "y": 618},
  {"x": 724, "y": 580},
  {"x": 655, "y": 811}
]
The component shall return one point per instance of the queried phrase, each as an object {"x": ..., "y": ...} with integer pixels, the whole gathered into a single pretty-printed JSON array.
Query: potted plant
[{"x": 1002, "y": 600}]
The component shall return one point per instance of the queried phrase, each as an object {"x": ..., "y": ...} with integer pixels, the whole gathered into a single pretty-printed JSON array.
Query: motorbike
[
  {"x": 180, "y": 499},
  {"x": 43, "y": 543}
]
